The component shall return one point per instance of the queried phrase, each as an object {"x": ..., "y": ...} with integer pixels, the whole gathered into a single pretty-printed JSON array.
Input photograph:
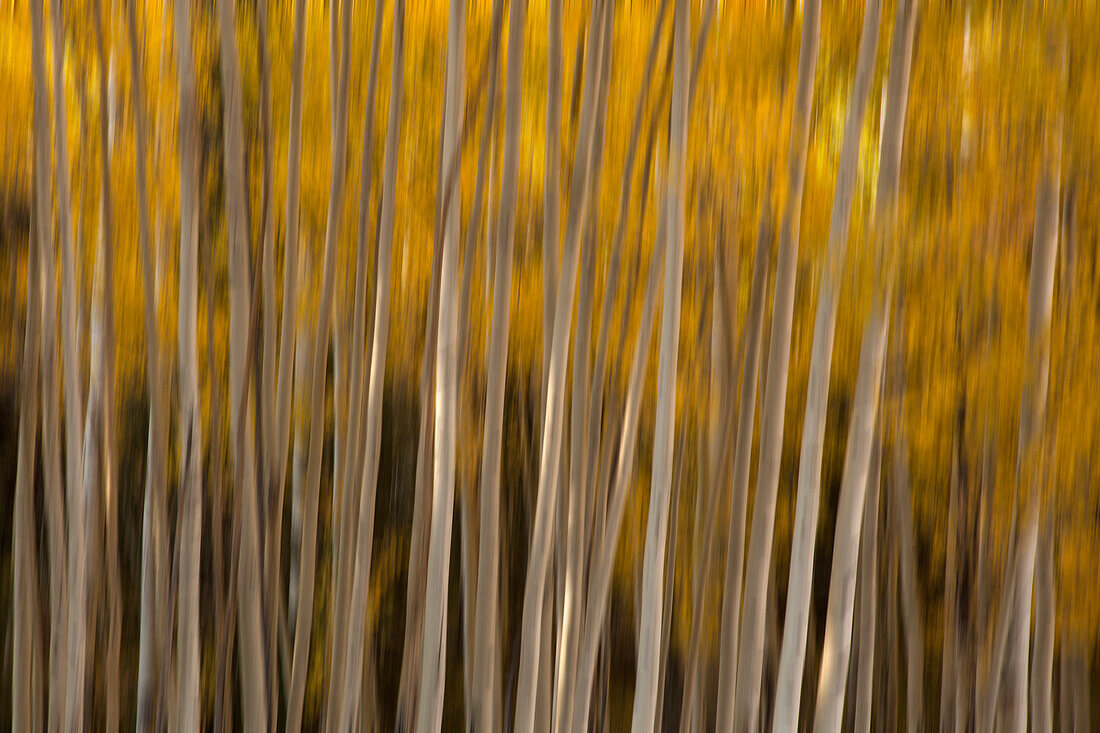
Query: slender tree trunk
[
  {"x": 190, "y": 427},
  {"x": 356, "y": 632},
  {"x": 1032, "y": 422},
  {"x": 358, "y": 372},
  {"x": 739, "y": 487},
  {"x": 109, "y": 470},
  {"x": 308, "y": 551},
  {"x": 1042, "y": 663},
  {"x": 576, "y": 502},
  {"x": 750, "y": 654},
  {"x": 910, "y": 599},
  {"x": 804, "y": 534},
  {"x": 74, "y": 408},
  {"x": 485, "y": 656},
  {"x": 553, "y": 418},
  {"x": 868, "y": 591},
  {"x": 154, "y": 580},
  {"x": 25, "y": 656},
  {"x": 599, "y": 583},
  {"x": 664, "y": 423},
  {"x": 288, "y": 359},
  {"x": 433, "y": 648},
  {"x": 838, "y": 625},
  {"x": 256, "y": 704}
]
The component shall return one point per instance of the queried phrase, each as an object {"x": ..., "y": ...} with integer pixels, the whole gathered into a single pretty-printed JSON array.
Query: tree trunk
[
  {"x": 190, "y": 415},
  {"x": 576, "y": 501},
  {"x": 750, "y": 655},
  {"x": 1042, "y": 663},
  {"x": 599, "y": 583},
  {"x": 308, "y": 552},
  {"x": 484, "y": 654},
  {"x": 154, "y": 561},
  {"x": 838, "y": 625},
  {"x": 25, "y": 653},
  {"x": 653, "y": 580},
  {"x": 739, "y": 486},
  {"x": 868, "y": 591},
  {"x": 357, "y": 619},
  {"x": 550, "y": 454},
  {"x": 433, "y": 647},
  {"x": 74, "y": 407},
  {"x": 804, "y": 534}
]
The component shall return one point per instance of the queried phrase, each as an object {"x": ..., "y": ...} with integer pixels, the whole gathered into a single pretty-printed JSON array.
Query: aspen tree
[{"x": 800, "y": 580}]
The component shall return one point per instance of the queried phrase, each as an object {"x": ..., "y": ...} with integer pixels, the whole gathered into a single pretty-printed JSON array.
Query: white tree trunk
[
  {"x": 433, "y": 647},
  {"x": 868, "y": 592},
  {"x": 750, "y": 655},
  {"x": 353, "y": 673},
  {"x": 551, "y": 437},
  {"x": 796, "y": 620},
  {"x": 485, "y": 655},
  {"x": 190, "y": 414},
  {"x": 256, "y": 705},
  {"x": 645, "y": 688},
  {"x": 154, "y": 559},
  {"x": 838, "y": 624},
  {"x": 74, "y": 407},
  {"x": 308, "y": 551}
]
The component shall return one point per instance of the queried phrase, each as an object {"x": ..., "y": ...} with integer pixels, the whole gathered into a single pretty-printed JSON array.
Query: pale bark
[
  {"x": 353, "y": 673},
  {"x": 910, "y": 599},
  {"x": 288, "y": 360},
  {"x": 1032, "y": 424},
  {"x": 750, "y": 656},
  {"x": 109, "y": 471},
  {"x": 739, "y": 485},
  {"x": 868, "y": 592},
  {"x": 804, "y": 534},
  {"x": 353, "y": 383},
  {"x": 645, "y": 689},
  {"x": 255, "y": 703},
  {"x": 614, "y": 266},
  {"x": 74, "y": 407},
  {"x": 267, "y": 424},
  {"x": 154, "y": 560},
  {"x": 551, "y": 207},
  {"x": 551, "y": 437},
  {"x": 51, "y": 447},
  {"x": 433, "y": 647},
  {"x": 25, "y": 655},
  {"x": 603, "y": 557},
  {"x": 576, "y": 501},
  {"x": 484, "y": 654},
  {"x": 190, "y": 427},
  {"x": 308, "y": 551},
  {"x": 1042, "y": 663},
  {"x": 838, "y": 624}
]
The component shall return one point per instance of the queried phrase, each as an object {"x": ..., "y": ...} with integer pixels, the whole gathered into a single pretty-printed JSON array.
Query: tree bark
[
  {"x": 433, "y": 647},
  {"x": 750, "y": 656},
  {"x": 154, "y": 561},
  {"x": 550, "y": 453},
  {"x": 796, "y": 619},
  {"x": 485, "y": 657},
  {"x": 190, "y": 415},
  {"x": 653, "y": 580},
  {"x": 354, "y": 671},
  {"x": 868, "y": 591},
  {"x": 308, "y": 551}
]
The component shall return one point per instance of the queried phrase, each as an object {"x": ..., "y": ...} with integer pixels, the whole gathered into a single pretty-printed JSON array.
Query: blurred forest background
[{"x": 281, "y": 280}]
